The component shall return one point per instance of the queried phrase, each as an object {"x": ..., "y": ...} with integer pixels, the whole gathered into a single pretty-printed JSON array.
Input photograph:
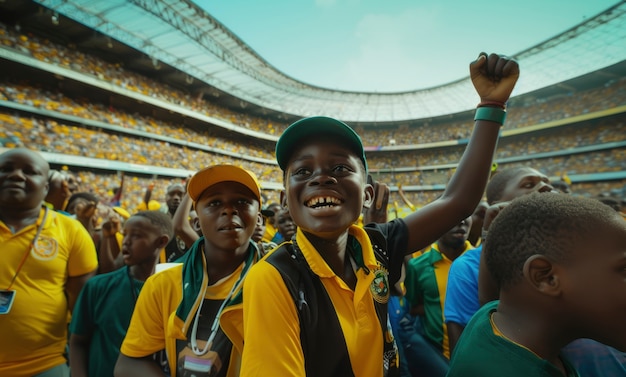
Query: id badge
[
  {"x": 192, "y": 365},
  {"x": 6, "y": 300},
  {"x": 196, "y": 364}
]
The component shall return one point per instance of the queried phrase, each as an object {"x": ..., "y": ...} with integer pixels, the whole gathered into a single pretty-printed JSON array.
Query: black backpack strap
[{"x": 323, "y": 345}]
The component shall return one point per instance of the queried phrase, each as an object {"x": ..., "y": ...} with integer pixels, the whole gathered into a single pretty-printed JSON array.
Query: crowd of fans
[
  {"x": 114, "y": 73},
  {"x": 129, "y": 269},
  {"x": 83, "y": 108},
  {"x": 52, "y": 135},
  {"x": 530, "y": 110}
]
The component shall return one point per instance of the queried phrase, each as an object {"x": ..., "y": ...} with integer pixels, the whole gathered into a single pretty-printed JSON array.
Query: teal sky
[{"x": 392, "y": 45}]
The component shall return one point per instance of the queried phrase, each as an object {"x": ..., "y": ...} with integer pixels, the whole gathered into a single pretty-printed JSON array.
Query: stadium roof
[{"x": 179, "y": 34}]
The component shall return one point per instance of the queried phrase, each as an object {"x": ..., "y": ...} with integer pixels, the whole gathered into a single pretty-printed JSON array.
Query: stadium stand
[{"x": 92, "y": 114}]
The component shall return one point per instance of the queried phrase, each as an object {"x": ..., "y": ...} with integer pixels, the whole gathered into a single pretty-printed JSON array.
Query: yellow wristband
[{"x": 492, "y": 114}]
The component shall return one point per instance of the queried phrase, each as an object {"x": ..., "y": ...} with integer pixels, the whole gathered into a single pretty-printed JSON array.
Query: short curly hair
[
  {"x": 546, "y": 224},
  {"x": 82, "y": 195},
  {"x": 499, "y": 181},
  {"x": 159, "y": 219}
]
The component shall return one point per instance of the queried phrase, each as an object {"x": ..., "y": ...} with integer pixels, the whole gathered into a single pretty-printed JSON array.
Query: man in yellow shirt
[{"x": 47, "y": 258}]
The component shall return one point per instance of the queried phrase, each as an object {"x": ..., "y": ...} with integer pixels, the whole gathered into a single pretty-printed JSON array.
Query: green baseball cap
[{"x": 306, "y": 128}]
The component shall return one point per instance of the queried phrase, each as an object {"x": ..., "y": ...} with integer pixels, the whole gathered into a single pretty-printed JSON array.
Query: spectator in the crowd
[
  {"x": 555, "y": 259},
  {"x": 176, "y": 318},
  {"x": 58, "y": 191},
  {"x": 46, "y": 259},
  {"x": 105, "y": 304},
  {"x": 286, "y": 226},
  {"x": 259, "y": 231},
  {"x": 177, "y": 245},
  {"x": 462, "y": 299},
  {"x": 325, "y": 173},
  {"x": 426, "y": 283},
  {"x": 271, "y": 228}
]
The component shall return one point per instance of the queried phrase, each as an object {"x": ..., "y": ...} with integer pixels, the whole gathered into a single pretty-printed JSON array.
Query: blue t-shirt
[
  {"x": 462, "y": 292},
  {"x": 594, "y": 359}
]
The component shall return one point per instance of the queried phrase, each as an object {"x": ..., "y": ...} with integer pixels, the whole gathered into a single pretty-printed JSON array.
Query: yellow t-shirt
[
  {"x": 34, "y": 333},
  {"x": 154, "y": 325},
  {"x": 270, "y": 232}
]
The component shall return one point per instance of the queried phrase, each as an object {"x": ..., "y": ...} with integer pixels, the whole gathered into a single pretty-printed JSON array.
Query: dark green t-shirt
[
  {"x": 102, "y": 312},
  {"x": 480, "y": 352}
]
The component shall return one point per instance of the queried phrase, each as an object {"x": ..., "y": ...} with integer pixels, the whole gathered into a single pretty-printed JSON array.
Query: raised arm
[
  {"x": 494, "y": 78},
  {"x": 148, "y": 194},
  {"x": 377, "y": 212},
  {"x": 117, "y": 198},
  {"x": 180, "y": 220},
  {"x": 109, "y": 256}
]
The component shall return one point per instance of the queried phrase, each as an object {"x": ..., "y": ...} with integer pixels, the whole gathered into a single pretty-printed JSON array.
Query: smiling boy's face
[{"x": 326, "y": 187}]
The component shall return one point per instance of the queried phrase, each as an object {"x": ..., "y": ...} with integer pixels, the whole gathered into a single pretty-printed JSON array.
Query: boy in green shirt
[
  {"x": 560, "y": 264},
  {"x": 105, "y": 305},
  {"x": 427, "y": 279}
]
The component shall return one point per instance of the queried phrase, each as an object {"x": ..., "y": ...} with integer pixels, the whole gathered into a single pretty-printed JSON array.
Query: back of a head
[
  {"x": 86, "y": 196},
  {"x": 554, "y": 225},
  {"x": 614, "y": 203}
]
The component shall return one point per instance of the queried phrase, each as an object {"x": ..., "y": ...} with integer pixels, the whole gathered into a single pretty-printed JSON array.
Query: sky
[{"x": 392, "y": 45}]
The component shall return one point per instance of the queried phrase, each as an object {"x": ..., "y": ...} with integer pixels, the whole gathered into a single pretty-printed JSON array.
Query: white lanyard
[{"x": 216, "y": 322}]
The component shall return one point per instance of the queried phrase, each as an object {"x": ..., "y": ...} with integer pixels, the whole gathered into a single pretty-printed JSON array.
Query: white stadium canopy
[{"x": 182, "y": 35}]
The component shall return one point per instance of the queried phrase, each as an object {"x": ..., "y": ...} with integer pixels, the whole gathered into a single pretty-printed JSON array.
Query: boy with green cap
[
  {"x": 317, "y": 306},
  {"x": 177, "y": 314}
]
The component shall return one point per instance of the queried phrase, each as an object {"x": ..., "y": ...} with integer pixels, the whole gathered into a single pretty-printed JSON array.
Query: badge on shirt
[
  {"x": 191, "y": 364},
  {"x": 6, "y": 300},
  {"x": 380, "y": 285}
]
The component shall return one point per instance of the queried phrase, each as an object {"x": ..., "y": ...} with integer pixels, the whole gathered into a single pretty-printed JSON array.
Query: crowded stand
[
  {"x": 51, "y": 135},
  {"x": 46, "y": 51},
  {"x": 525, "y": 111},
  {"x": 57, "y": 102},
  {"x": 528, "y": 111}
]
